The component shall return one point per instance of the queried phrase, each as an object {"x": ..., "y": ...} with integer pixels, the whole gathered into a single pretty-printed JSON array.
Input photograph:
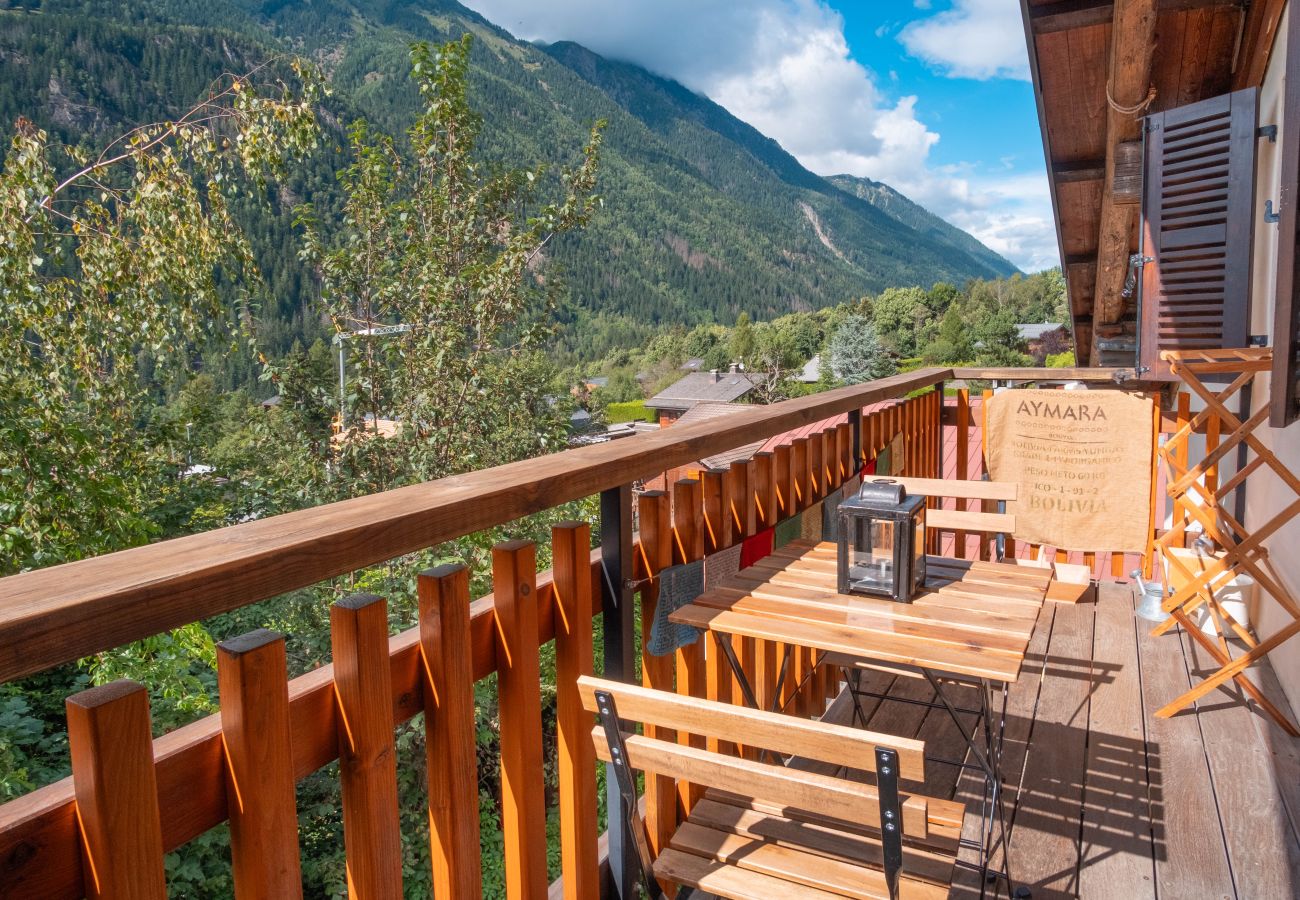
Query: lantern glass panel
[
  {"x": 871, "y": 564},
  {"x": 918, "y": 551}
]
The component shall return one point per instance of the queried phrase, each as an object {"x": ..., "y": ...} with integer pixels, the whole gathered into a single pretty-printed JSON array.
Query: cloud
[
  {"x": 785, "y": 67},
  {"x": 979, "y": 39}
]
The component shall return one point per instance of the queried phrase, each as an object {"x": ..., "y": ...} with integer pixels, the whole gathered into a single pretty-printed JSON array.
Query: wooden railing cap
[
  {"x": 358, "y": 601},
  {"x": 446, "y": 570},
  {"x": 247, "y": 643},
  {"x": 105, "y": 693}
]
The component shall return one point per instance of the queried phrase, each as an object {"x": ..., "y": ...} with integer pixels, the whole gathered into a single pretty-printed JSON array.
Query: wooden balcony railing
[{"x": 102, "y": 832}]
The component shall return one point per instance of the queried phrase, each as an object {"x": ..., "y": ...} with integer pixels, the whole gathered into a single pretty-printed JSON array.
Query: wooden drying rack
[{"x": 1197, "y": 501}]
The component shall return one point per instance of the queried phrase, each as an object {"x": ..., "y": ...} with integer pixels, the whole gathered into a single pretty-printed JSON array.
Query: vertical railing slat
[
  {"x": 766, "y": 506},
  {"x": 367, "y": 756},
  {"x": 816, "y": 465},
  {"x": 688, "y": 530},
  {"x": 571, "y": 553},
  {"x": 111, "y": 746},
  {"x": 523, "y": 807},
  {"x": 719, "y": 520},
  {"x": 799, "y": 485},
  {"x": 785, "y": 503},
  {"x": 450, "y": 741},
  {"x": 962, "y": 462},
  {"x": 253, "y": 685}
]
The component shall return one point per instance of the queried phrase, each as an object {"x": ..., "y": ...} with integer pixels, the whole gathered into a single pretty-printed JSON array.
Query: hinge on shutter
[
  {"x": 1269, "y": 216},
  {"x": 1258, "y": 340},
  {"x": 1135, "y": 262},
  {"x": 1267, "y": 131}
]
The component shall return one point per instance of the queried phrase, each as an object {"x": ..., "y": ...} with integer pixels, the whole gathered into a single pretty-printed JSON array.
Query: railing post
[
  {"x": 571, "y": 553},
  {"x": 111, "y": 745},
  {"x": 618, "y": 635},
  {"x": 253, "y": 683},
  {"x": 523, "y": 807},
  {"x": 372, "y": 838},
  {"x": 450, "y": 739}
]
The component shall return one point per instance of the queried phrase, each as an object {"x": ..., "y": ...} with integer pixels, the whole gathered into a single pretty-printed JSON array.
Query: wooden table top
[{"x": 974, "y": 618}]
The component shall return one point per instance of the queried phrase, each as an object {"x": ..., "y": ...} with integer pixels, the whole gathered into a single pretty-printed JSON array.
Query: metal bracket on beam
[
  {"x": 1267, "y": 131},
  {"x": 1270, "y": 216}
]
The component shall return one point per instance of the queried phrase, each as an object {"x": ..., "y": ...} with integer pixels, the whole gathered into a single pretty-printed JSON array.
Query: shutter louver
[{"x": 1199, "y": 225}]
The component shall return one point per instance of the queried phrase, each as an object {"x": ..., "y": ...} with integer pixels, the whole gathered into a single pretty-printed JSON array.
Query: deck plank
[
  {"x": 1117, "y": 854},
  {"x": 1191, "y": 859},
  {"x": 1045, "y": 836},
  {"x": 1261, "y": 843}
]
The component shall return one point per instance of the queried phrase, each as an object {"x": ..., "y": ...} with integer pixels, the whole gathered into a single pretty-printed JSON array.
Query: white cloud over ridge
[
  {"x": 784, "y": 66},
  {"x": 979, "y": 39}
]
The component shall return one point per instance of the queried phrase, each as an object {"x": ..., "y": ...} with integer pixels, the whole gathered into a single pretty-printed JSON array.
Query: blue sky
[{"x": 930, "y": 96}]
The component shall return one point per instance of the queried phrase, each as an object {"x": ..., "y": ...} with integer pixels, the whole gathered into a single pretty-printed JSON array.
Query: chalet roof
[
  {"x": 1032, "y": 331},
  {"x": 812, "y": 371},
  {"x": 700, "y": 386},
  {"x": 1190, "y": 52},
  {"x": 709, "y": 410},
  {"x": 694, "y": 364}
]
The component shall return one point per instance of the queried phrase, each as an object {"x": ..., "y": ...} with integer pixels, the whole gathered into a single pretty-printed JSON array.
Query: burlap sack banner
[{"x": 1083, "y": 463}]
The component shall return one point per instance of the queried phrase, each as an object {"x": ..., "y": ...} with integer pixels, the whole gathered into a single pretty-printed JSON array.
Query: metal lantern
[{"x": 882, "y": 542}]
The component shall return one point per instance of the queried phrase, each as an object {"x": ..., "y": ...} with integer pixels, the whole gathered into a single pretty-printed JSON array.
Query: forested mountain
[
  {"x": 704, "y": 217},
  {"x": 897, "y": 206}
]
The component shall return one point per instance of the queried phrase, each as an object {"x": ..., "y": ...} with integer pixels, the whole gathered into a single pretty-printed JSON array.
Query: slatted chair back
[
  {"x": 768, "y": 785},
  {"x": 991, "y": 519}
]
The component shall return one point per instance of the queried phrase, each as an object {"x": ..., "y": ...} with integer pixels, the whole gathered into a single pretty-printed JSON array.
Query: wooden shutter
[
  {"x": 1285, "y": 400},
  {"x": 1199, "y": 219}
]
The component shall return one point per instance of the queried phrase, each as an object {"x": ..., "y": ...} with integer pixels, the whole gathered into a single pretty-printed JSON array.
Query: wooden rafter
[
  {"x": 1066, "y": 15},
  {"x": 1132, "y": 51}
]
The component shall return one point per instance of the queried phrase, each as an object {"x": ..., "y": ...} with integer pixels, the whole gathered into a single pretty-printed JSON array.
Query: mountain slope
[
  {"x": 704, "y": 216},
  {"x": 899, "y": 207}
]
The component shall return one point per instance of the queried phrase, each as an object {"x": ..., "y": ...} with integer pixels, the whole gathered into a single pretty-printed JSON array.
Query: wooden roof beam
[
  {"x": 1079, "y": 170},
  {"x": 1066, "y": 15},
  {"x": 1132, "y": 49}
]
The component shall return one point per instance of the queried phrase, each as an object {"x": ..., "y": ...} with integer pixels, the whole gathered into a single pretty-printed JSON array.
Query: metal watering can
[{"x": 1151, "y": 595}]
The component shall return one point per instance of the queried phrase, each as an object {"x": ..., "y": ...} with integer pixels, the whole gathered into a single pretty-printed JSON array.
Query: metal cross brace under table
[{"x": 987, "y": 754}]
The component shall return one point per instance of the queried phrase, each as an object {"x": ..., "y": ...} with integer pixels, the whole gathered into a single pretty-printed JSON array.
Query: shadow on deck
[{"x": 1105, "y": 799}]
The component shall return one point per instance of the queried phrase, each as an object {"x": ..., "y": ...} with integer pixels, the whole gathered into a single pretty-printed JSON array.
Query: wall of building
[{"x": 1263, "y": 499}]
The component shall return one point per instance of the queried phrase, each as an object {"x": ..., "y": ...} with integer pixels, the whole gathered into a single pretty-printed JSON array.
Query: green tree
[
  {"x": 856, "y": 354},
  {"x": 898, "y": 315},
  {"x": 952, "y": 344},
  {"x": 439, "y": 243},
  {"x": 116, "y": 260}
]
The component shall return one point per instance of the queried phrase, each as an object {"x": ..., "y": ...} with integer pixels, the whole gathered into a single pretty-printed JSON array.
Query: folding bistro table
[{"x": 972, "y": 625}]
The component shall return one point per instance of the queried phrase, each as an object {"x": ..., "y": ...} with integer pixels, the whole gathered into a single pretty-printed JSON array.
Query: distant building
[
  {"x": 1034, "y": 333},
  {"x": 699, "y": 387},
  {"x": 706, "y": 411},
  {"x": 812, "y": 371},
  {"x": 694, "y": 364}
]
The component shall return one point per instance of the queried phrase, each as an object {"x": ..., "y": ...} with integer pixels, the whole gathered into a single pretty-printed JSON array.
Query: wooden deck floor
[{"x": 1108, "y": 801}]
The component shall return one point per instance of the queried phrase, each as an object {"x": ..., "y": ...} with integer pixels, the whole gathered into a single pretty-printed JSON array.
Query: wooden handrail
[
  {"x": 40, "y": 853},
  {"x": 55, "y": 615},
  {"x": 1122, "y": 376}
]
